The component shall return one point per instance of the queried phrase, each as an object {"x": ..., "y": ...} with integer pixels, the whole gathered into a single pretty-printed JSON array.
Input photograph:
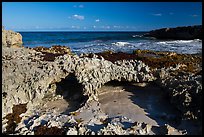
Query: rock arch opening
[
  {"x": 143, "y": 102},
  {"x": 72, "y": 92}
]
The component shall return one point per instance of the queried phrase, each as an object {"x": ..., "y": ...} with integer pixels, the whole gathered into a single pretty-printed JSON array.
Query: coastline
[
  {"x": 33, "y": 77},
  {"x": 95, "y": 42}
]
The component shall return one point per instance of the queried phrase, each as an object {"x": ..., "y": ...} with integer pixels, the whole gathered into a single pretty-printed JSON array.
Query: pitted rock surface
[
  {"x": 30, "y": 77},
  {"x": 11, "y": 38},
  {"x": 185, "y": 92},
  {"x": 26, "y": 78}
]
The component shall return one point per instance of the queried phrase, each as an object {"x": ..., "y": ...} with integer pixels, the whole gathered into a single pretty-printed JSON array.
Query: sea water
[{"x": 94, "y": 42}]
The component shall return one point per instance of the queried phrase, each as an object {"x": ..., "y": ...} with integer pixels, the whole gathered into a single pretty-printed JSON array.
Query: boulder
[{"x": 11, "y": 38}]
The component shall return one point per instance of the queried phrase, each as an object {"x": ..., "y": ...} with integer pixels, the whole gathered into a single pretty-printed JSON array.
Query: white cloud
[
  {"x": 107, "y": 27},
  {"x": 119, "y": 27},
  {"x": 97, "y": 20},
  {"x": 104, "y": 27},
  {"x": 79, "y": 17},
  {"x": 81, "y": 6},
  {"x": 17, "y": 27},
  {"x": 157, "y": 14},
  {"x": 94, "y": 26},
  {"x": 78, "y": 6},
  {"x": 75, "y": 27},
  {"x": 194, "y": 15}
]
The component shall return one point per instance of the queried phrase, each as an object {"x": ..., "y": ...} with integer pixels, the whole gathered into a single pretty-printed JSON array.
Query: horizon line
[{"x": 80, "y": 31}]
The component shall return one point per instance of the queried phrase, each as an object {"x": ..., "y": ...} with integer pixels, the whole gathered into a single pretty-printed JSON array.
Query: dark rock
[
  {"x": 14, "y": 118},
  {"x": 49, "y": 54},
  {"x": 185, "y": 33},
  {"x": 44, "y": 130}
]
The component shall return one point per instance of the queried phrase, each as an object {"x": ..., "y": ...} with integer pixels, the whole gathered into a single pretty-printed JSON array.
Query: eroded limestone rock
[
  {"x": 27, "y": 77},
  {"x": 11, "y": 38}
]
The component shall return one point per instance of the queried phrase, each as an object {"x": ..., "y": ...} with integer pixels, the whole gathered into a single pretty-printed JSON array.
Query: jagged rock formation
[
  {"x": 30, "y": 78},
  {"x": 184, "y": 33},
  {"x": 185, "y": 92},
  {"x": 159, "y": 59},
  {"x": 179, "y": 74},
  {"x": 27, "y": 78},
  {"x": 11, "y": 38}
]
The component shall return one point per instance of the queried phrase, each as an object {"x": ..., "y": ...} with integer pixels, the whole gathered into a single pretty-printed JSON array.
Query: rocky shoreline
[
  {"x": 58, "y": 92},
  {"x": 178, "y": 33}
]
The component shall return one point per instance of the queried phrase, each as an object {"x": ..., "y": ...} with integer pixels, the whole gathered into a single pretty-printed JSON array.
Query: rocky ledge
[
  {"x": 178, "y": 33},
  {"x": 53, "y": 91}
]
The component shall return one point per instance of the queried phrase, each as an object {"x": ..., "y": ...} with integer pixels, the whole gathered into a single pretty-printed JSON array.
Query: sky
[{"x": 99, "y": 16}]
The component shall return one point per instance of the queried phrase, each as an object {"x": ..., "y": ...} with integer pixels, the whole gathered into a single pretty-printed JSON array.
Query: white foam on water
[
  {"x": 134, "y": 36},
  {"x": 179, "y": 46},
  {"x": 178, "y": 41},
  {"x": 121, "y": 43}
]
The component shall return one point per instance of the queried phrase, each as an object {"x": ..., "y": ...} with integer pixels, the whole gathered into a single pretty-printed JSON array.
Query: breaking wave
[
  {"x": 86, "y": 42},
  {"x": 121, "y": 43}
]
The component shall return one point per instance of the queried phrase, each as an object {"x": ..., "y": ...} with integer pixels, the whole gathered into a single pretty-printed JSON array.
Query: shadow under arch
[
  {"x": 72, "y": 92},
  {"x": 138, "y": 102}
]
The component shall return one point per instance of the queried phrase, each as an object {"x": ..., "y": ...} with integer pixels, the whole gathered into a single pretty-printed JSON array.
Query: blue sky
[{"x": 99, "y": 16}]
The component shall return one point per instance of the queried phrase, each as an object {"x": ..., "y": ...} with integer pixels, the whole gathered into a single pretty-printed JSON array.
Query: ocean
[{"x": 94, "y": 42}]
